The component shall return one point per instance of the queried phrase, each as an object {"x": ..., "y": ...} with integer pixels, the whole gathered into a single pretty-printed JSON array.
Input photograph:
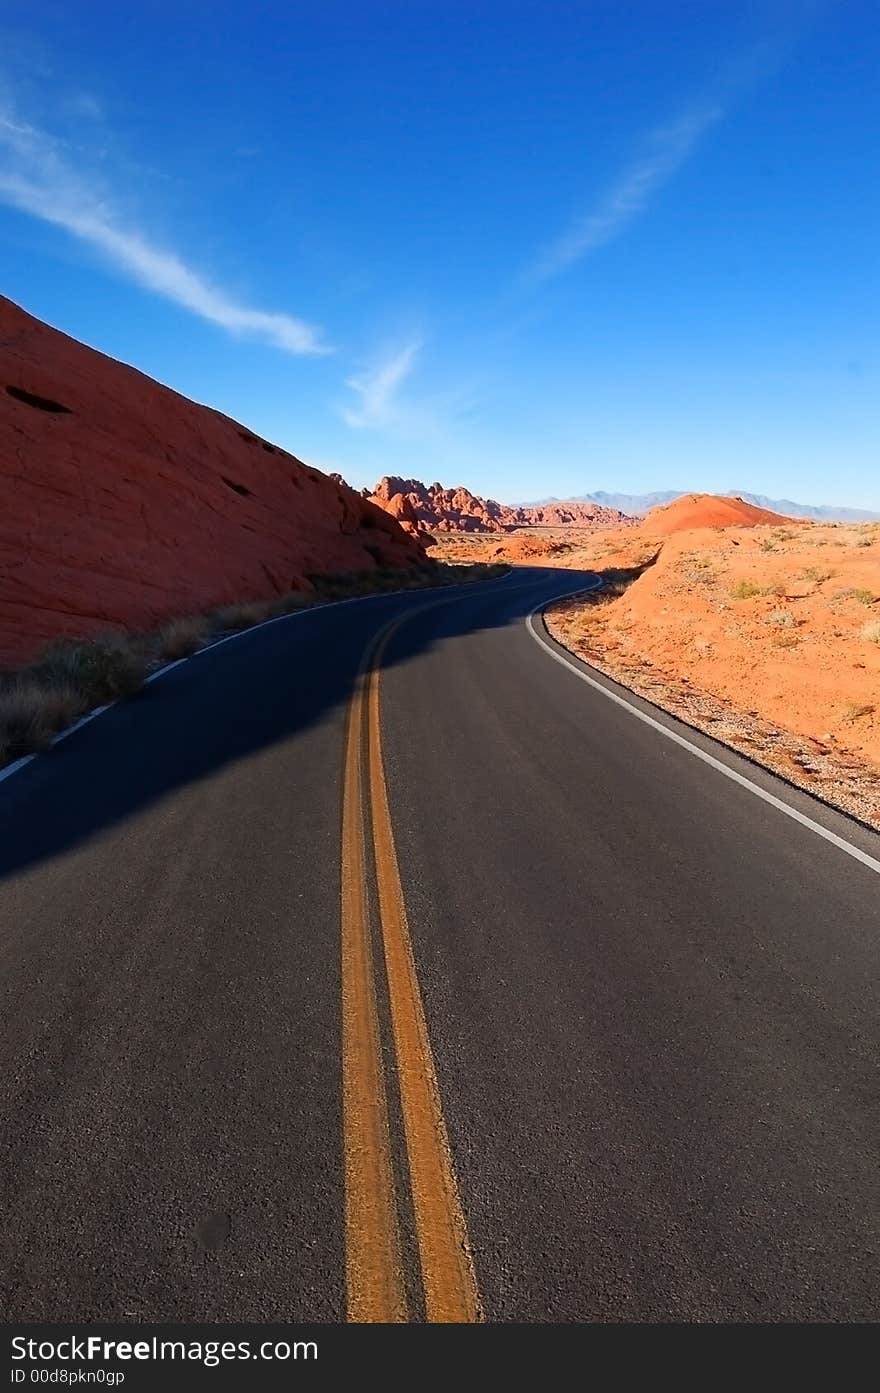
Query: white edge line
[
  {"x": 14, "y": 767},
  {"x": 17, "y": 764},
  {"x": 161, "y": 671},
  {"x": 717, "y": 764},
  {"x": 83, "y": 721}
]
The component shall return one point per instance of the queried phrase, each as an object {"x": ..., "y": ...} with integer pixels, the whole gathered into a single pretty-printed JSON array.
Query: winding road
[{"x": 388, "y": 964}]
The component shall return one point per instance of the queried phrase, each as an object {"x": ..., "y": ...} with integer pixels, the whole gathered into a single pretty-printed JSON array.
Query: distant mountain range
[{"x": 637, "y": 503}]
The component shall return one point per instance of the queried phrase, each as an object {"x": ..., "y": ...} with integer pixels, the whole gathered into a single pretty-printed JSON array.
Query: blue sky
[{"x": 535, "y": 247}]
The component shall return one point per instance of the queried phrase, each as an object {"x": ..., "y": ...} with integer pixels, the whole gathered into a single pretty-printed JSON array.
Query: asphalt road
[{"x": 623, "y": 1006}]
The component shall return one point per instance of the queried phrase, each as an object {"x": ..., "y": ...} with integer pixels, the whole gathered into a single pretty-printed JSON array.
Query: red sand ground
[{"x": 766, "y": 635}]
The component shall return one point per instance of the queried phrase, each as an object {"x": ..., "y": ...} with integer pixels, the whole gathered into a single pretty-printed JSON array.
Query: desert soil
[{"x": 765, "y": 636}]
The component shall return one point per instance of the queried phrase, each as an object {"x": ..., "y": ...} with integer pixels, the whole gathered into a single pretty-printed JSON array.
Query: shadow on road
[{"x": 264, "y": 689}]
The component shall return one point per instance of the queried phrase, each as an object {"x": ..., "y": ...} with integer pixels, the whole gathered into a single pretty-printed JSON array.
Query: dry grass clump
[
  {"x": 745, "y": 590},
  {"x": 32, "y": 714},
  {"x": 231, "y": 618},
  {"x": 182, "y": 636},
  {"x": 103, "y": 669},
  {"x": 290, "y": 603},
  {"x": 784, "y": 639},
  {"x": 860, "y": 595},
  {"x": 69, "y": 678},
  {"x": 616, "y": 580},
  {"x": 700, "y": 571},
  {"x": 855, "y": 710},
  {"x": 872, "y": 631},
  {"x": 781, "y": 619}
]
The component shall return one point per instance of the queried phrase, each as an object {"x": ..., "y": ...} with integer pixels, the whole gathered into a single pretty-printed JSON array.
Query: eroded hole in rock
[
  {"x": 236, "y": 488},
  {"x": 41, "y": 403}
]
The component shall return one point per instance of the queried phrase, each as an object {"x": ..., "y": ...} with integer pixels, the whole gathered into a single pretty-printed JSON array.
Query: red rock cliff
[
  {"x": 125, "y": 504},
  {"x": 424, "y": 508}
]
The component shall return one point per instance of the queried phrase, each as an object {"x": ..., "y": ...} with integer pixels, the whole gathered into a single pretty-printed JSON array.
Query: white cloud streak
[
  {"x": 666, "y": 151},
  {"x": 36, "y": 179},
  {"x": 377, "y": 390}
]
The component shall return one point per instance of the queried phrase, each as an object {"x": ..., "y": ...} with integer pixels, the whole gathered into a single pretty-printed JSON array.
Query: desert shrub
[
  {"x": 102, "y": 669},
  {"x": 781, "y": 619},
  {"x": 699, "y": 570},
  {"x": 784, "y": 638},
  {"x": 816, "y": 574},
  {"x": 182, "y": 636},
  {"x": 855, "y": 710},
  {"x": 767, "y": 544},
  {"x": 31, "y": 714},
  {"x": 242, "y": 616},
  {"x": 861, "y": 596},
  {"x": 69, "y": 678},
  {"x": 872, "y": 631},
  {"x": 745, "y": 590},
  {"x": 290, "y": 603}
]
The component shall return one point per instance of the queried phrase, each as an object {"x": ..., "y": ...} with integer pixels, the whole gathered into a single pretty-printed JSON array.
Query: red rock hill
[
  {"x": 424, "y": 508},
  {"x": 125, "y": 503},
  {"x": 706, "y": 510}
]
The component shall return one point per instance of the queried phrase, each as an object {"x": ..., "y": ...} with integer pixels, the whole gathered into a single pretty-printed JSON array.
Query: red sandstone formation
[
  {"x": 572, "y": 514},
  {"x": 707, "y": 510},
  {"x": 125, "y": 504},
  {"x": 432, "y": 508}
]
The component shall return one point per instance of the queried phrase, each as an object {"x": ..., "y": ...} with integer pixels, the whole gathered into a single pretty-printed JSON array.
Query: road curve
[{"x": 373, "y": 966}]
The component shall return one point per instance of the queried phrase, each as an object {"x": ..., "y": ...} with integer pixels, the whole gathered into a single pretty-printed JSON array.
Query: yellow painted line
[
  {"x": 448, "y": 1277},
  {"x": 373, "y": 1270}
]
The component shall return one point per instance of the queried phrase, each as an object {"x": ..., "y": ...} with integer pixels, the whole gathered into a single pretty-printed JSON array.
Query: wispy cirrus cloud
[
  {"x": 665, "y": 151},
  {"x": 376, "y": 389},
  {"x": 38, "y": 178}
]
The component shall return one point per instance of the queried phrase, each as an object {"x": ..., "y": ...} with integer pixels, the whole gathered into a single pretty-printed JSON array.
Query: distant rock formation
[
  {"x": 125, "y": 504},
  {"x": 422, "y": 509}
]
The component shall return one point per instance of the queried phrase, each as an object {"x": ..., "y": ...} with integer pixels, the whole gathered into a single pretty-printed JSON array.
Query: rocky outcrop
[
  {"x": 573, "y": 514},
  {"x": 125, "y": 504},
  {"x": 422, "y": 508}
]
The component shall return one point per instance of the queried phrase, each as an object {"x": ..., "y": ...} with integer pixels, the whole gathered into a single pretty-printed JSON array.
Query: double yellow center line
[{"x": 375, "y": 1283}]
